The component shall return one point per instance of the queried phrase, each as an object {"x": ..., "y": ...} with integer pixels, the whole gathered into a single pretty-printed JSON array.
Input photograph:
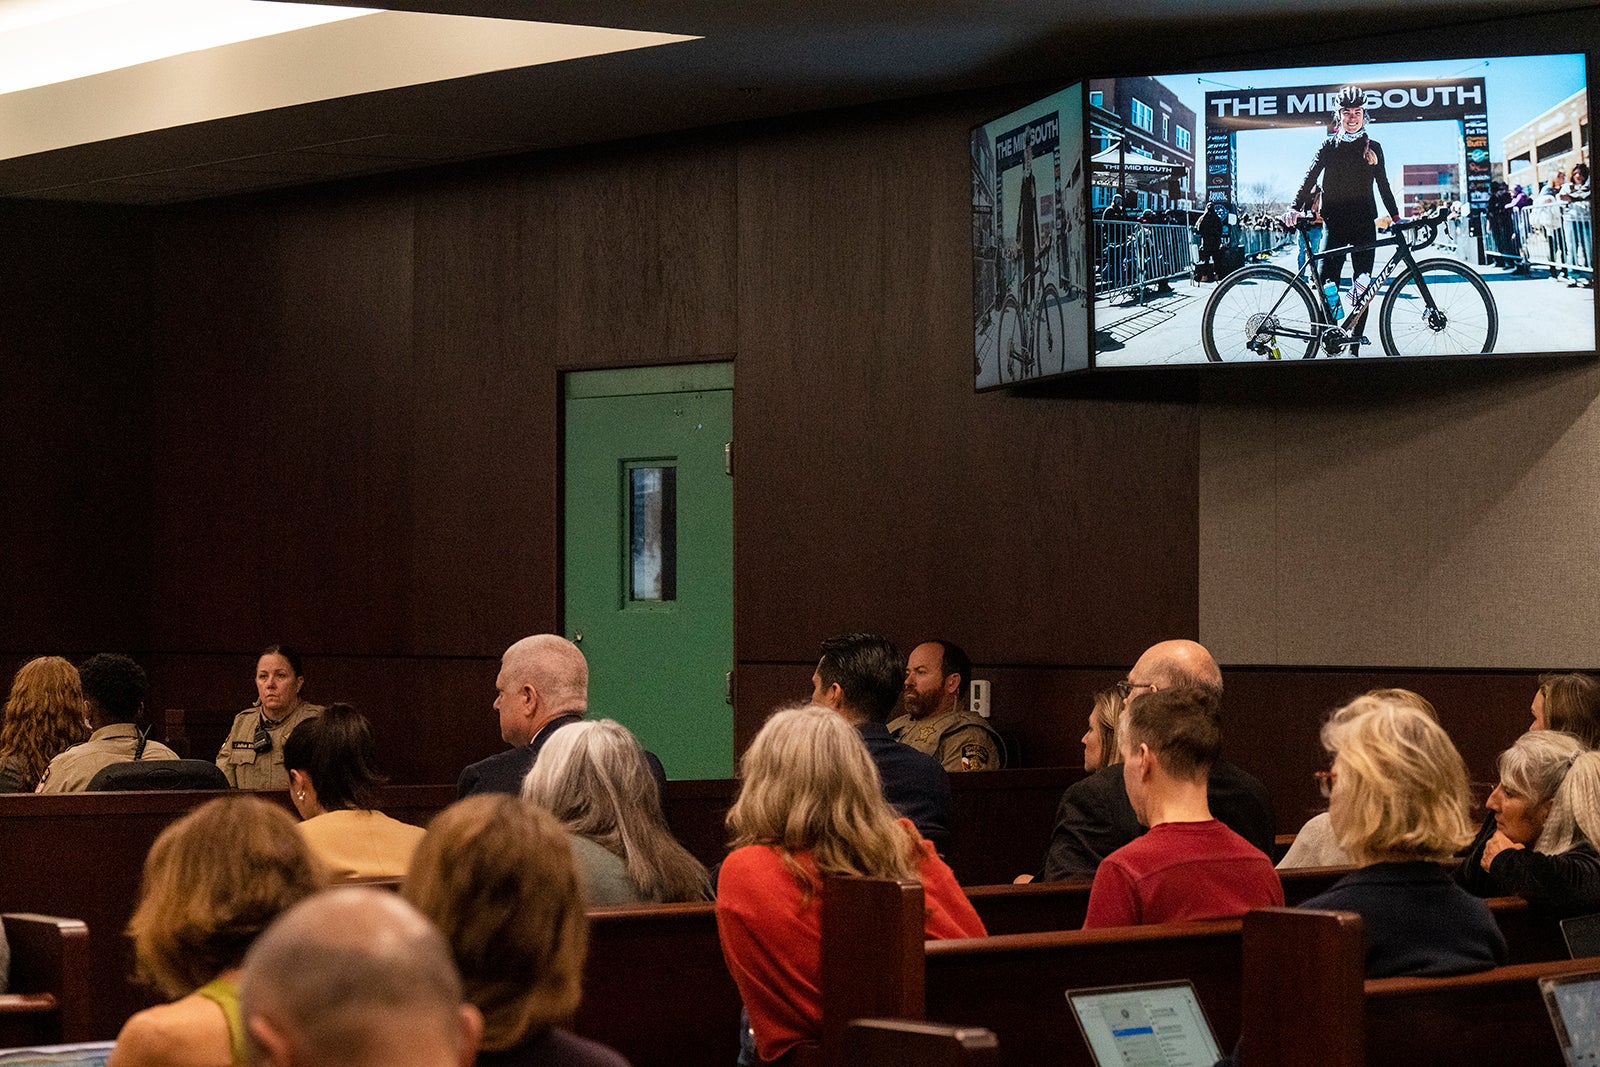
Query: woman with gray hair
[
  {"x": 594, "y": 778},
  {"x": 1544, "y": 815}
]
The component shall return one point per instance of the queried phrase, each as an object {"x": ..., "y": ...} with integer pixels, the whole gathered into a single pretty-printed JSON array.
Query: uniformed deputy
[
  {"x": 252, "y": 756},
  {"x": 936, "y": 719},
  {"x": 114, "y": 689}
]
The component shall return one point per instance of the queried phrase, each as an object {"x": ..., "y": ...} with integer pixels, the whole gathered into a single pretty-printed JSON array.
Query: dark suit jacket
[
  {"x": 914, "y": 783},
  {"x": 1095, "y": 818},
  {"x": 504, "y": 771}
]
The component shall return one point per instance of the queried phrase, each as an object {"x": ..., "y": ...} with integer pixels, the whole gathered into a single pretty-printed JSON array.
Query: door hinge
[
  {"x": 727, "y": 688},
  {"x": 727, "y": 458}
]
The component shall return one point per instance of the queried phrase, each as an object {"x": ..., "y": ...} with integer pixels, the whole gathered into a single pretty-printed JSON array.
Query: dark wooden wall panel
[
  {"x": 875, "y": 490},
  {"x": 74, "y": 391}
]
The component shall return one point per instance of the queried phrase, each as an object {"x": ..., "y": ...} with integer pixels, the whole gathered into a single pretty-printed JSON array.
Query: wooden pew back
[
  {"x": 48, "y": 1002},
  {"x": 656, "y": 988}
]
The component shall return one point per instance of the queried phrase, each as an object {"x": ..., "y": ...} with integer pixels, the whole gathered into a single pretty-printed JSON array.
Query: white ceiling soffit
[{"x": 379, "y": 51}]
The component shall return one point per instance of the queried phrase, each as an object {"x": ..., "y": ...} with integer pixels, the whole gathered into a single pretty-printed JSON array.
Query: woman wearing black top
[{"x": 1350, "y": 163}]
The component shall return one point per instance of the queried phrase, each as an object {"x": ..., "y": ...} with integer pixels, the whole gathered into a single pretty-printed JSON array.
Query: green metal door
[{"x": 649, "y": 555}]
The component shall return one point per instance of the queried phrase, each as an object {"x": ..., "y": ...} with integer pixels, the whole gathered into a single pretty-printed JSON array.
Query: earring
[{"x": 300, "y": 795}]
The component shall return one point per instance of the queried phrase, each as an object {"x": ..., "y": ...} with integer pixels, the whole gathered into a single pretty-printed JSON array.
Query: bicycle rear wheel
[
  {"x": 1456, "y": 317},
  {"x": 1049, "y": 333},
  {"x": 1008, "y": 343},
  {"x": 1258, "y": 311}
]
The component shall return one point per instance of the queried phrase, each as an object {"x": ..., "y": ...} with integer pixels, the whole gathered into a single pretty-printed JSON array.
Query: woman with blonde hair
[
  {"x": 1314, "y": 845},
  {"x": 213, "y": 881},
  {"x": 1398, "y": 802},
  {"x": 594, "y": 778},
  {"x": 1100, "y": 740},
  {"x": 44, "y": 716},
  {"x": 495, "y": 875},
  {"x": 811, "y": 805},
  {"x": 1570, "y": 703},
  {"x": 1544, "y": 817}
]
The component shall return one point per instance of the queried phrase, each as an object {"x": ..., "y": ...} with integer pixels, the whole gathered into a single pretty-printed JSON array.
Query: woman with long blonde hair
[
  {"x": 811, "y": 805},
  {"x": 44, "y": 716}
]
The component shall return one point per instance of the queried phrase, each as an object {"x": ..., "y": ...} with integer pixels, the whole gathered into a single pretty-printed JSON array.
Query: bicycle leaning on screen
[{"x": 1429, "y": 307}]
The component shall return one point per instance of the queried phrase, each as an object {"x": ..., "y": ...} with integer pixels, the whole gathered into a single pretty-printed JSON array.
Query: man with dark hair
[
  {"x": 355, "y": 977},
  {"x": 1095, "y": 817},
  {"x": 1188, "y": 866},
  {"x": 860, "y": 676},
  {"x": 114, "y": 689},
  {"x": 937, "y": 720}
]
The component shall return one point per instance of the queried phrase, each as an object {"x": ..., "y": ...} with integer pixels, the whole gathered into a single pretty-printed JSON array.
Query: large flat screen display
[
  {"x": 1393, "y": 210},
  {"x": 1030, "y": 278}
]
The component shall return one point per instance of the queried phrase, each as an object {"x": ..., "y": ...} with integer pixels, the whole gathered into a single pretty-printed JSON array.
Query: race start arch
[{"x": 1462, "y": 100}]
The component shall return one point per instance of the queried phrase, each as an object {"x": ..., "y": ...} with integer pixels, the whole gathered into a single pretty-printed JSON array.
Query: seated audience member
[
  {"x": 355, "y": 977},
  {"x": 809, "y": 806},
  {"x": 1100, "y": 739},
  {"x": 45, "y": 715},
  {"x": 252, "y": 754},
  {"x": 542, "y": 687},
  {"x": 1188, "y": 866},
  {"x": 1095, "y": 819},
  {"x": 495, "y": 875},
  {"x": 213, "y": 880},
  {"x": 1537, "y": 841},
  {"x": 114, "y": 689},
  {"x": 937, "y": 720},
  {"x": 1398, "y": 800},
  {"x": 334, "y": 786},
  {"x": 860, "y": 676},
  {"x": 593, "y": 777},
  {"x": 1314, "y": 845},
  {"x": 1570, "y": 703}
]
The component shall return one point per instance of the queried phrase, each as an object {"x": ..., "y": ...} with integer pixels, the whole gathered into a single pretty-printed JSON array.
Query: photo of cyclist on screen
[{"x": 1350, "y": 163}]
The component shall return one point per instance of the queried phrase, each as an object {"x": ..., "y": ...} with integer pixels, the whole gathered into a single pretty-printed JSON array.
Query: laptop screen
[
  {"x": 1155, "y": 1025},
  {"x": 90, "y": 1054},
  {"x": 1574, "y": 1003}
]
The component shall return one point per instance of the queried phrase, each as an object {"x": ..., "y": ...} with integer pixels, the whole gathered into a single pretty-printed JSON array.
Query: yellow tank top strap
[{"x": 224, "y": 993}]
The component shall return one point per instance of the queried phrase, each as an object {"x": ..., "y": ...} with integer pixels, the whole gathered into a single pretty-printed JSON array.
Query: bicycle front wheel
[
  {"x": 1008, "y": 342},
  {"x": 1260, "y": 312},
  {"x": 1438, "y": 308},
  {"x": 1049, "y": 332}
]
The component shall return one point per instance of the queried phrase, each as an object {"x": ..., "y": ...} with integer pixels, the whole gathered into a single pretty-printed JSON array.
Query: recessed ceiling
[{"x": 753, "y": 59}]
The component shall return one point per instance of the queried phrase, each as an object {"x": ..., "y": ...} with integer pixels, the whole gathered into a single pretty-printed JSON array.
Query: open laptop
[
  {"x": 1582, "y": 933},
  {"x": 1574, "y": 1004},
  {"x": 1157, "y": 1024}
]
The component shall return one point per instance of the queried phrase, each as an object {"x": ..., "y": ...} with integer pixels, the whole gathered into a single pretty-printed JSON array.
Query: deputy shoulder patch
[{"x": 974, "y": 757}]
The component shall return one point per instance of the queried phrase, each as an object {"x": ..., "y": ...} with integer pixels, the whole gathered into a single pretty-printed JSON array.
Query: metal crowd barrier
[
  {"x": 1559, "y": 237},
  {"x": 1132, "y": 255}
]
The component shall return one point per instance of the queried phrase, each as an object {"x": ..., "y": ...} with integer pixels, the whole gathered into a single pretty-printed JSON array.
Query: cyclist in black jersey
[{"x": 1351, "y": 164}]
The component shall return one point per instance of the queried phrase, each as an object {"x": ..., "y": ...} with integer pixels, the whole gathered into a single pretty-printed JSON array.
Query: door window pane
[{"x": 652, "y": 533}]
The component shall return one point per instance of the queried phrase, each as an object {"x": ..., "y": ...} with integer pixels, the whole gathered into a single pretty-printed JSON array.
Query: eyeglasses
[
  {"x": 1325, "y": 780},
  {"x": 1126, "y": 687}
]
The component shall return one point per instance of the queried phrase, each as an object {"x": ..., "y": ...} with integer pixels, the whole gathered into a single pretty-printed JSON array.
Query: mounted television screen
[
  {"x": 1030, "y": 282},
  {"x": 1483, "y": 162}
]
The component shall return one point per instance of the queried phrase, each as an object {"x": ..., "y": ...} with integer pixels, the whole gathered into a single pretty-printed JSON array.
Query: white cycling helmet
[{"x": 1349, "y": 96}]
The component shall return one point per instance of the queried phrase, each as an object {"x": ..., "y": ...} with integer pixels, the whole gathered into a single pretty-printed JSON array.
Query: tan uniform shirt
[
  {"x": 361, "y": 844},
  {"x": 244, "y": 766},
  {"x": 958, "y": 739},
  {"x": 70, "y": 772}
]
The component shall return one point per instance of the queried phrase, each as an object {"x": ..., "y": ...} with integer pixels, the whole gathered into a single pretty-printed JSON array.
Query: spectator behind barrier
[
  {"x": 212, "y": 882},
  {"x": 594, "y": 778},
  {"x": 1569, "y": 702},
  {"x": 1398, "y": 800},
  {"x": 495, "y": 875},
  {"x": 333, "y": 782}
]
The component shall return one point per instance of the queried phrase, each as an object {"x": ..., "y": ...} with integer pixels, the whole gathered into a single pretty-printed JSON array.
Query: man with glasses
[{"x": 1095, "y": 817}]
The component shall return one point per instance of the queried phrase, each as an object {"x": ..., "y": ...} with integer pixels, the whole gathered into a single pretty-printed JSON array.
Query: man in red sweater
[{"x": 1189, "y": 866}]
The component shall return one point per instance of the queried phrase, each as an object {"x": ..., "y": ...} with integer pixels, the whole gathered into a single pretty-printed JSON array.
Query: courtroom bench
[
  {"x": 48, "y": 999},
  {"x": 1307, "y": 999}
]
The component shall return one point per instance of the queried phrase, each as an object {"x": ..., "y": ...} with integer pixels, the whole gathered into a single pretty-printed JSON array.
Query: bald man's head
[
  {"x": 541, "y": 678},
  {"x": 355, "y": 977},
  {"x": 1174, "y": 665}
]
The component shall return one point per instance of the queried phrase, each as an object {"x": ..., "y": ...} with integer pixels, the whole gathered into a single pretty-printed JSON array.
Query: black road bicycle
[
  {"x": 1430, "y": 307},
  {"x": 1031, "y": 331}
]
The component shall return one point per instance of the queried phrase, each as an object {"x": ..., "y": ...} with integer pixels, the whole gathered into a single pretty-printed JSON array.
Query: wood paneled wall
[{"x": 330, "y": 416}]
